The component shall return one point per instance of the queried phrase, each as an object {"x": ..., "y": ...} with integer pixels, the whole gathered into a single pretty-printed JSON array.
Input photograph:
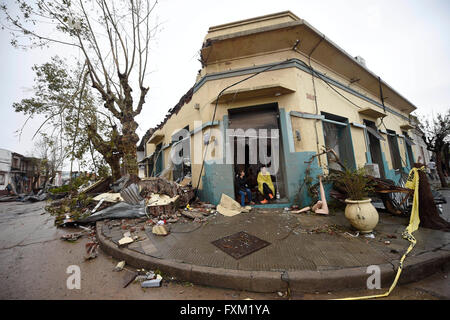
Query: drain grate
[{"x": 240, "y": 244}]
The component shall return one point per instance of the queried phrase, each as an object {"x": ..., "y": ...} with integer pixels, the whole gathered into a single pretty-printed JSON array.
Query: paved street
[{"x": 33, "y": 263}]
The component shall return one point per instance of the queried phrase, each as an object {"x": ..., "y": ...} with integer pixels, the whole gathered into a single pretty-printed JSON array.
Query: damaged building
[{"x": 277, "y": 72}]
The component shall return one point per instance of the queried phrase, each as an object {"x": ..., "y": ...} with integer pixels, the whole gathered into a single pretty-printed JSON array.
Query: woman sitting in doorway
[
  {"x": 241, "y": 182},
  {"x": 265, "y": 185}
]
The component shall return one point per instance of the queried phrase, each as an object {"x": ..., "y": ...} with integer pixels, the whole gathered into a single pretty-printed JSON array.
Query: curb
[{"x": 304, "y": 281}]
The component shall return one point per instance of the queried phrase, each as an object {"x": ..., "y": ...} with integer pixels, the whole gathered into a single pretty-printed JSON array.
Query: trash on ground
[
  {"x": 119, "y": 266},
  {"x": 370, "y": 235},
  {"x": 192, "y": 214},
  {"x": 151, "y": 283},
  {"x": 125, "y": 240},
  {"x": 91, "y": 250},
  {"x": 322, "y": 207},
  {"x": 98, "y": 205},
  {"x": 117, "y": 211},
  {"x": 128, "y": 278},
  {"x": 160, "y": 230},
  {"x": 72, "y": 237},
  {"x": 305, "y": 209},
  {"x": 351, "y": 235},
  {"x": 230, "y": 207},
  {"x": 108, "y": 197}
]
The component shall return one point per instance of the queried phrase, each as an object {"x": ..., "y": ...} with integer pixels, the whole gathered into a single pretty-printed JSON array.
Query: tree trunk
[
  {"x": 428, "y": 213},
  {"x": 114, "y": 163},
  {"x": 129, "y": 145},
  {"x": 439, "y": 169}
]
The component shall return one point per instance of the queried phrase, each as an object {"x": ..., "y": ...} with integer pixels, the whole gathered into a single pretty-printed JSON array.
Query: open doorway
[{"x": 252, "y": 150}]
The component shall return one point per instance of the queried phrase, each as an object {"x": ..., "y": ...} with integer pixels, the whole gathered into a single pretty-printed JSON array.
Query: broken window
[
  {"x": 395, "y": 152},
  {"x": 337, "y": 137}
]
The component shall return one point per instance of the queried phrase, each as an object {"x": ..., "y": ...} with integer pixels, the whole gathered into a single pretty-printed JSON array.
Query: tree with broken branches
[
  {"x": 69, "y": 107},
  {"x": 114, "y": 40},
  {"x": 436, "y": 136}
]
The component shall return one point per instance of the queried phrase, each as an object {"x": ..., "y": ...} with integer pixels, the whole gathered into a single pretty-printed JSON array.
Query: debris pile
[{"x": 129, "y": 197}]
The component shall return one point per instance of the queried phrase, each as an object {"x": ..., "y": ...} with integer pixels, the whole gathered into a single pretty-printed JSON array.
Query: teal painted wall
[{"x": 218, "y": 178}]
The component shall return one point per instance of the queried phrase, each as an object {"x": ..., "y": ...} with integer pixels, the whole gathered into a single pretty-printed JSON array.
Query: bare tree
[
  {"x": 114, "y": 39},
  {"x": 436, "y": 135},
  {"x": 51, "y": 154}
]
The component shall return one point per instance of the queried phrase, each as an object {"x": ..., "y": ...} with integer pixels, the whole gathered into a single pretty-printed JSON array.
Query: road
[{"x": 34, "y": 261}]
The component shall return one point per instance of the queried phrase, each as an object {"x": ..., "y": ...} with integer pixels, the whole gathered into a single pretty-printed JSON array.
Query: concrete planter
[{"x": 361, "y": 214}]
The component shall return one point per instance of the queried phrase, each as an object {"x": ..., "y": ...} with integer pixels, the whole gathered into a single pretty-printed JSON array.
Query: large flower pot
[{"x": 361, "y": 214}]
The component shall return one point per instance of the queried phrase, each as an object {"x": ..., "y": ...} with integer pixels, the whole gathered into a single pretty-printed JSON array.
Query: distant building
[{"x": 21, "y": 172}]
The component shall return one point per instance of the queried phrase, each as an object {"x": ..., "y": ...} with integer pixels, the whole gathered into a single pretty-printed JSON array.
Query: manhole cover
[{"x": 240, "y": 244}]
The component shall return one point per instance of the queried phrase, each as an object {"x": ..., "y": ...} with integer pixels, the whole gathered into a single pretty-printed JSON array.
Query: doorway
[{"x": 253, "y": 149}]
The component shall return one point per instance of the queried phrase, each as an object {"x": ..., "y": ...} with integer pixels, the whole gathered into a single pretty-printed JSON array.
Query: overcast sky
[{"x": 406, "y": 43}]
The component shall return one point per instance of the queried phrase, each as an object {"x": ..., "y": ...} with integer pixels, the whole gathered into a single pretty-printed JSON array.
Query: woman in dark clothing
[{"x": 241, "y": 182}]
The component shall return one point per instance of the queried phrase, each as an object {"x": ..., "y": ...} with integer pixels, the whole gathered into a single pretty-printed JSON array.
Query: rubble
[
  {"x": 125, "y": 240},
  {"x": 160, "y": 230},
  {"x": 72, "y": 237},
  {"x": 109, "y": 197},
  {"x": 119, "y": 266},
  {"x": 91, "y": 250},
  {"x": 230, "y": 207}
]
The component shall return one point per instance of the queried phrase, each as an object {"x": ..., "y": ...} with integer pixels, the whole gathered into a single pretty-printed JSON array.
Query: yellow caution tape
[{"x": 411, "y": 183}]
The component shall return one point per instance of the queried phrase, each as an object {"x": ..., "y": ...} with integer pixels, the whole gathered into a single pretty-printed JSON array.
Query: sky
[{"x": 406, "y": 43}]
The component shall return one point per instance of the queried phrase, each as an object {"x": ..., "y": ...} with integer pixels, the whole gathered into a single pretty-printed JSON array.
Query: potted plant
[{"x": 359, "y": 210}]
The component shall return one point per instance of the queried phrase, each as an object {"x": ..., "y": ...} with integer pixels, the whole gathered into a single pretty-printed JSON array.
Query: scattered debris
[
  {"x": 91, "y": 250},
  {"x": 125, "y": 240},
  {"x": 129, "y": 278},
  {"x": 387, "y": 242},
  {"x": 351, "y": 235},
  {"x": 321, "y": 207},
  {"x": 329, "y": 229},
  {"x": 192, "y": 214},
  {"x": 152, "y": 283},
  {"x": 108, "y": 197},
  {"x": 72, "y": 237},
  {"x": 370, "y": 235},
  {"x": 305, "y": 209},
  {"x": 160, "y": 230},
  {"x": 230, "y": 207},
  {"x": 98, "y": 205},
  {"x": 119, "y": 266}
]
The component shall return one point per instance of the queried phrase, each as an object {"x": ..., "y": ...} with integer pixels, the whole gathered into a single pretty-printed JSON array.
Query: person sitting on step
[
  {"x": 265, "y": 185},
  {"x": 241, "y": 182}
]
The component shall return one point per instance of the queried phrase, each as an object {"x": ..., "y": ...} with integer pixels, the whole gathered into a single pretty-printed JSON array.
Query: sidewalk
[{"x": 307, "y": 252}]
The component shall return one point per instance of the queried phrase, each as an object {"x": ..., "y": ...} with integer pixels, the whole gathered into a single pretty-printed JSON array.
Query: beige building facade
[{"x": 279, "y": 73}]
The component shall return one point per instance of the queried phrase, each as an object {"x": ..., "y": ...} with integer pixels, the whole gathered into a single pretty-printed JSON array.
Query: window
[
  {"x": 2, "y": 179},
  {"x": 408, "y": 145},
  {"x": 393, "y": 147},
  {"x": 337, "y": 137}
]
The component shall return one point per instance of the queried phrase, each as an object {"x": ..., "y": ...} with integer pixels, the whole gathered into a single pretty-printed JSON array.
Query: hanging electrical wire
[{"x": 215, "y": 109}]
